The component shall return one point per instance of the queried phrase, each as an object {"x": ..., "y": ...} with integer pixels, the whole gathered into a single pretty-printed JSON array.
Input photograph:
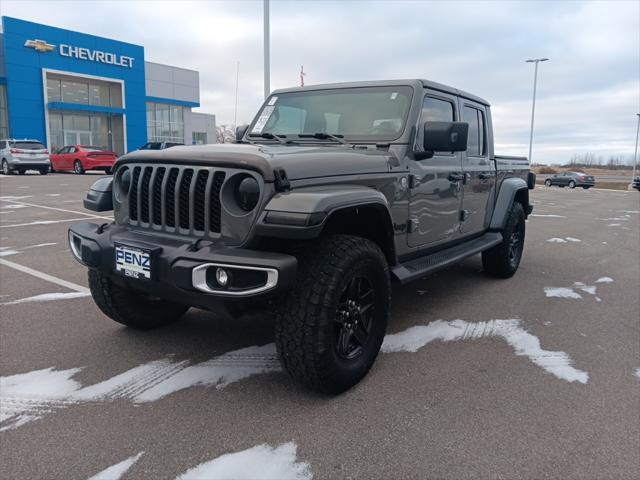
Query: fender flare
[
  {"x": 509, "y": 188},
  {"x": 302, "y": 213}
]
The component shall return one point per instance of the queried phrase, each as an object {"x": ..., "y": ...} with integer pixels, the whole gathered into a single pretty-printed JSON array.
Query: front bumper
[{"x": 179, "y": 268}]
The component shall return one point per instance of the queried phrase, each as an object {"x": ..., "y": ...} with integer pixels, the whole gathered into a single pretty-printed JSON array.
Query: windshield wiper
[
  {"x": 325, "y": 136},
  {"x": 270, "y": 136}
]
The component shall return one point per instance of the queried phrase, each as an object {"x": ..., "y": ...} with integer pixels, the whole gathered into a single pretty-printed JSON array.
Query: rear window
[{"x": 27, "y": 145}]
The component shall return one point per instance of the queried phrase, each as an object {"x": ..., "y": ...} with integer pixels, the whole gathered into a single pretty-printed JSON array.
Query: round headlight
[
  {"x": 122, "y": 183},
  {"x": 248, "y": 194}
]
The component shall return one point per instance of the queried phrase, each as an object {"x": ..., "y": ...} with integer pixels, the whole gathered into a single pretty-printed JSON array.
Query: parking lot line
[
  {"x": 44, "y": 222},
  {"x": 44, "y": 276},
  {"x": 58, "y": 209}
]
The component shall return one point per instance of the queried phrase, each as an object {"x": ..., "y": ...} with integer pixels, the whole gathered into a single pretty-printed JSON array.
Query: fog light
[{"x": 222, "y": 277}]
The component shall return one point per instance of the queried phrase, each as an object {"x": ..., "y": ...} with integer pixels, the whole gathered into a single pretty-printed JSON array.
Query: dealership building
[{"x": 66, "y": 88}]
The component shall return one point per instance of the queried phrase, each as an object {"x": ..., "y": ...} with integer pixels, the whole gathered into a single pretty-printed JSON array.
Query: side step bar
[{"x": 419, "y": 267}]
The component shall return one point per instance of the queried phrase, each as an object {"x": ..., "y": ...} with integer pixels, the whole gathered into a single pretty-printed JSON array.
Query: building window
[
  {"x": 82, "y": 91},
  {"x": 4, "y": 117},
  {"x": 165, "y": 123},
  {"x": 199, "y": 138}
]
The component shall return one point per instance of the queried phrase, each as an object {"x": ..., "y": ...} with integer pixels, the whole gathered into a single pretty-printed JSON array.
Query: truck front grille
[{"x": 177, "y": 199}]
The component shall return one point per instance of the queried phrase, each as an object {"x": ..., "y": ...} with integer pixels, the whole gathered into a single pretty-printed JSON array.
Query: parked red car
[{"x": 81, "y": 158}]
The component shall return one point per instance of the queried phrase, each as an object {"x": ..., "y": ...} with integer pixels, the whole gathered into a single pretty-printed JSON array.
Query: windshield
[
  {"x": 362, "y": 113},
  {"x": 27, "y": 145}
]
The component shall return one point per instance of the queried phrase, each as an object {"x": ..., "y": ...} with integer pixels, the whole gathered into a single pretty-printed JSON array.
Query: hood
[{"x": 298, "y": 161}]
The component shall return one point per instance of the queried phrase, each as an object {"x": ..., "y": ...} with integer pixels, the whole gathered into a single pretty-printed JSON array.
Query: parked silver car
[{"x": 22, "y": 155}]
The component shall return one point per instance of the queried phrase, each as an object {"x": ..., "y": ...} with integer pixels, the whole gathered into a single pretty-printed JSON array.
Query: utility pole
[
  {"x": 267, "y": 87},
  {"x": 635, "y": 154},
  {"x": 302, "y": 74},
  {"x": 533, "y": 107}
]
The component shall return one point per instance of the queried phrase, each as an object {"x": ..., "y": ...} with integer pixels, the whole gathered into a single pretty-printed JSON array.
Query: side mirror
[
  {"x": 100, "y": 196},
  {"x": 240, "y": 131},
  {"x": 443, "y": 137}
]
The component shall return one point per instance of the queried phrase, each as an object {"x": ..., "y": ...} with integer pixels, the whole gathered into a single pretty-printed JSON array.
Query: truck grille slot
[
  {"x": 176, "y": 198},
  {"x": 185, "y": 185}
]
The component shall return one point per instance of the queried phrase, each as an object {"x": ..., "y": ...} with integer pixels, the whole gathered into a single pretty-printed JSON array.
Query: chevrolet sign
[
  {"x": 96, "y": 56},
  {"x": 82, "y": 53}
]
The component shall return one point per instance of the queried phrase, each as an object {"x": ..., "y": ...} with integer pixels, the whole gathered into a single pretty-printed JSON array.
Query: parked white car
[{"x": 22, "y": 155}]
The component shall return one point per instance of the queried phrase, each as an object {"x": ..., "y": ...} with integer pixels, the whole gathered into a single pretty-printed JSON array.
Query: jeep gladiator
[{"x": 332, "y": 193}]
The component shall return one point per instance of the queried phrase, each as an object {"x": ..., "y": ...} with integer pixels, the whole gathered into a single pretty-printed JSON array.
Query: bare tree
[{"x": 225, "y": 134}]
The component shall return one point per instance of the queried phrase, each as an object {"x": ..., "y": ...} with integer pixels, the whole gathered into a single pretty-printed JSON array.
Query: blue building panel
[{"x": 69, "y": 53}]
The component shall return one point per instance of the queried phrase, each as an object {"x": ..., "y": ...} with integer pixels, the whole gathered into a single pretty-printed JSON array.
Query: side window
[
  {"x": 71, "y": 149},
  {"x": 3, "y": 145},
  {"x": 476, "y": 143},
  {"x": 435, "y": 110}
]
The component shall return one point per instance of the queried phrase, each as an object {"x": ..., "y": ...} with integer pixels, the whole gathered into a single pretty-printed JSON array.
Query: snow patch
[
  {"x": 556, "y": 240},
  {"x": 604, "y": 280},
  {"x": 523, "y": 343},
  {"x": 561, "y": 292},
  {"x": 114, "y": 472},
  {"x": 47, "y": 297},
  {"x": 572, "y": 239},
  {"x": 547, "y": 215},
  {"x": 29, "y": 396},
  {"x": 262, "y": 462},
  {"x": 42, "y": 391},
  {"x": 638, "y": 372},
  {"x": 221, "y": 372},
  {"x": 613, "y": 225}
]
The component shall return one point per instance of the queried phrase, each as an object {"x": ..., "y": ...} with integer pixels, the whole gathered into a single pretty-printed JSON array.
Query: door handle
[
  {"x": 454, "y": 177},
  {"x": 485, "y": 176}
]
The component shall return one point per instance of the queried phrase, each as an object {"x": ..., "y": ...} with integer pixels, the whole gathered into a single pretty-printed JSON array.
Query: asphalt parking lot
[{"x": 533, "y": 377}]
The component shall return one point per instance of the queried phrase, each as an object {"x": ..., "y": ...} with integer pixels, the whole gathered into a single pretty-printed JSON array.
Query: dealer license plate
[{"x": 133, "y": 262}]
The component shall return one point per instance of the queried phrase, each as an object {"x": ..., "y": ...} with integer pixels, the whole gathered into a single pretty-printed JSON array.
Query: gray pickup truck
[{"x": 332, "y": 193}]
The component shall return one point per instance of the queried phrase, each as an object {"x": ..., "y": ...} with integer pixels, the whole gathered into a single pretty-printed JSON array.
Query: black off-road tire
[
  {"x": 131, "y": 308},
  {"x": 44, "y": 171},
  {"x": 504, "y": 259},
  {"x": 308, "y": 325},
  {"x": 21, "y": 172},
  {"x": 108, "y": 171}
]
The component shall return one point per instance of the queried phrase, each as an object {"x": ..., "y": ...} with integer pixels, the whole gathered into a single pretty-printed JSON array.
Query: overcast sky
[{"x": 588, "y": 94}]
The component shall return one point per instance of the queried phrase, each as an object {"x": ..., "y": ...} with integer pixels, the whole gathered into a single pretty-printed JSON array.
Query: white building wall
[
  {"x": 165, "y": 81},
  {"x": 199, "y": 122}
]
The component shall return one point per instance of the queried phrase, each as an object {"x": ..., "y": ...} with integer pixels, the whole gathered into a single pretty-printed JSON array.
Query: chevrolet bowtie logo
[{"x": 39, "y": 45}]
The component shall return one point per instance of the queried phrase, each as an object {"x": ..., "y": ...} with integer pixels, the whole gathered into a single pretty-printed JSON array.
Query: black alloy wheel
[
  {"x": 353, "y": 318},
  {"x": 516, "y": 244}
]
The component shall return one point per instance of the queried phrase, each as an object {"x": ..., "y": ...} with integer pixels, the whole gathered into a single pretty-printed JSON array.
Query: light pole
[
  {"x": 533, "y": 107},
  {"x": 635, "y": 154},
  {"x": 267, "y": 88}
]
